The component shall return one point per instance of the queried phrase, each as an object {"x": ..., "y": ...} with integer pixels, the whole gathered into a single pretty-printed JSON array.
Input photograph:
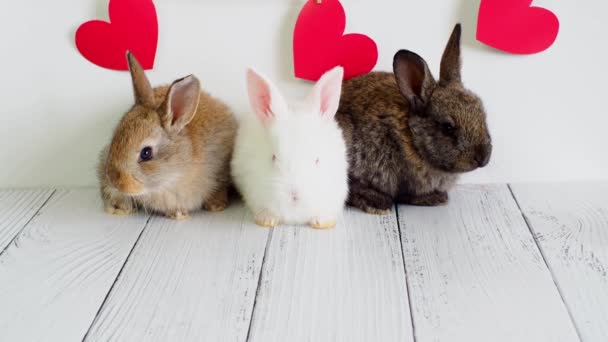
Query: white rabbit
[{"x": 290, "y": 163}]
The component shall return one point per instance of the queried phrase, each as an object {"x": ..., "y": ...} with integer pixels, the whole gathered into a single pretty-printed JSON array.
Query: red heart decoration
[
  {"x": 133, "y": 26},
  {"x": 319, "y": 43},
  {"x": 516, "y": 27}
]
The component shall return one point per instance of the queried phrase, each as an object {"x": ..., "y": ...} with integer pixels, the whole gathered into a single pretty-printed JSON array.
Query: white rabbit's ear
[
  {"x": 266, "y": 101},
  {"x": 325, "y": 97}
]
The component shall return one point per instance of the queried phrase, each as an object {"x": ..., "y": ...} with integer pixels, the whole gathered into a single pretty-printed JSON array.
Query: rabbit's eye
[
  {"x": 448, "y": 128},
  {"x": 274, "y": 158},
  {"x": 146, "y": 154}
]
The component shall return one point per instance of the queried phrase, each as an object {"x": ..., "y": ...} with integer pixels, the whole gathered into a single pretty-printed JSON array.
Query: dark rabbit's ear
[
  {"x": 181, "y": 104},
  {"x": 414, "y": 78},
  {"x": 450, "y": 62},
  {"x": 144, "y": 95}
]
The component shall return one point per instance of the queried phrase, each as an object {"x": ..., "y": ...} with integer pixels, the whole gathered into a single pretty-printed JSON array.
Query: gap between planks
[
  {"x": 257, "y": 290},
  {"x": 570, "y": 224},
  {"x": 547, "y": 264},
  {"x": 56, "y": 274},
  {"x": 344, "y": 284},
  {"x": 407, "y": 281},
  {"x": 476, "y": 274},
  {"x": 192, "y": 280},
  {"x": 116, "y": 280},
  {"x": 20, "y": 227}
]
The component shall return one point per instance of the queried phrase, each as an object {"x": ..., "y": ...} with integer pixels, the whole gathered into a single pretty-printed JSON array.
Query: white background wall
[{"x": 546, "y": 112}]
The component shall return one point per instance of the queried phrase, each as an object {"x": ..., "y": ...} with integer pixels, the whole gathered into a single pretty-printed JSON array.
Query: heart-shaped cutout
[
  {"x": 516, "y": 26},
  {"x": 133, "y": 27},
  {"x": 319, "y": 43}
]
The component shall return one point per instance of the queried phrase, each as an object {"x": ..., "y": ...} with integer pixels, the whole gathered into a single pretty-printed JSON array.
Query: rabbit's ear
[
  {"x": 181, "y": 104},
  {"x": 266, "y": 101},
  {"x": 414, "y": 78},
  {"x": 144, "y": 95},
  {"x": 325, "y": 97},
  {"x": 450, "y": 62}
]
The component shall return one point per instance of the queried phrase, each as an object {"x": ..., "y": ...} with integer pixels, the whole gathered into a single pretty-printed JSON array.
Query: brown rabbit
[
  {"x": 409, "y": 136},
  {"x": 171, "y": 151}
]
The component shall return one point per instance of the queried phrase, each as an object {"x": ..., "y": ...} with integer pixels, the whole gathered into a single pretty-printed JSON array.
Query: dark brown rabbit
[{"x": 409, "y": 136}]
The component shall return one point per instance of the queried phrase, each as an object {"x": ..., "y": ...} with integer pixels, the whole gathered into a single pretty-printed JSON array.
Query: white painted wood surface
[
  {"x": 346, "y": 284},
  {"x": 56, "y": 274},
  {"x": 17, "y": 207},
  {"x": 476, "y": 275},
  {"x": 191, "y": 280},
  {"x": 570, "y": 223},
  {"x": 474, "y": 272}
]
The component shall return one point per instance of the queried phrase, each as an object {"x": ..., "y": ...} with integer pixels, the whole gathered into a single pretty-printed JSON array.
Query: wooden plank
[
  {"x": 475, "y": 273},
  {"x": 345, "y": 284},
  {"x": 56, "y": 274},
  {"x": 17, "y": 207},
  {"x": 570, "y": 223},
  {"x": 193, "y": 280}
]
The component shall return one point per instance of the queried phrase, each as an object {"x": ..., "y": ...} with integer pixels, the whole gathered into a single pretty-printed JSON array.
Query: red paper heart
[
  {"x": 133, "y": 26},
  {"x": 516, "y": 27},
  {"x": 319, "y": 43}
]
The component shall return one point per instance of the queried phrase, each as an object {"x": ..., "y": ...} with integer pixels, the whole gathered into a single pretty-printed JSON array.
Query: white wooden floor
[{"x": 500, "y": 263}]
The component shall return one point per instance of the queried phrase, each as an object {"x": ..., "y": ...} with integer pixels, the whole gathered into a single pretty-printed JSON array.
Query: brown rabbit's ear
[
  {"x": 144, "y": 95},
  {"x": 414, "y": 78},
  {"x": 450, "y": 62},
  {"x": 181, "y": 104}
]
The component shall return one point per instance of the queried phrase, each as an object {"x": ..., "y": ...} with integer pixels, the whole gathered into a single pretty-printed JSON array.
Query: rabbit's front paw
[
  {"x": 215, "y": 207},
  {"x": 178, "y": 215},
  {"x": 370, "y": 200},
  {"x": 267, "y": 221},
  {"x": 323, "y": 224},
  {"x": 117, "y": 206},
  {"x": 114, "y": 210},
  {"x": 376, "y": 211},
  {"x": 432, "y": 199},
  {"x": 219, "y": 202}
]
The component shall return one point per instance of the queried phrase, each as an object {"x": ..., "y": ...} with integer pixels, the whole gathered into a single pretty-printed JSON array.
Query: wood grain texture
[
  {"x": 570, "y": 223},
  {"x": 56, "y": 274},
  {"x": 475, "y": 273},
  {"x": 17, "y": 207},
  {"x": 191, "y": 280},
  {"x": 346, "y": 284}
]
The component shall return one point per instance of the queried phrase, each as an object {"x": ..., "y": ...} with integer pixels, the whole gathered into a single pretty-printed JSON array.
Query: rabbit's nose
[
  {"x": 482, "y": 154},
  {"x": 124, "y": 182}
]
